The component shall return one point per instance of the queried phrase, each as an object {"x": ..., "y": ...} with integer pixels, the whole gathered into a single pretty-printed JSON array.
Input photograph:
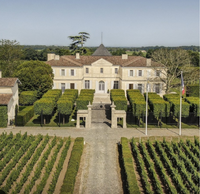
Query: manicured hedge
[
  {"x": 25, "y": 115},
  {"x": 194, "y": 105},
  {"x": 27, "y": 97},
  {"x": 54, "y": 94},
  {"x": 84, "y": 98},
  {"x": 157, "y": 104},
  {"x": 137, "y": 102},
  {"x": 174, "y": 100},
  {"x": 3, "y": 116},
  {"x": 192, "y": 90},
  {"x": 73, "y": 166},
  {"x": 119, "y": 99},
  {"x": 128, "y": 166},
  {"x": 44, "y": 104},
  {"x": 66, "y": 101}
]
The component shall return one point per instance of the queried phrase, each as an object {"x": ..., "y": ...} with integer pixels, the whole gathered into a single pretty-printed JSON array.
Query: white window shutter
[
  {"x": 149, "y": 88},
  {"x": 112, "y": 84},
  {"x": 133, "y": 72},
  {"x": 129, "y": 73},
  {"x": 97, "y": 86},
  {"x": 75, "y": 87},
  {"x": 127, "y": 86},
  {"x": 90, "y": 84}
]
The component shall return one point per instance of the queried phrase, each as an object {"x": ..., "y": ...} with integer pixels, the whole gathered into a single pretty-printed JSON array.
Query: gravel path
[{"x": 100, "y": 170}]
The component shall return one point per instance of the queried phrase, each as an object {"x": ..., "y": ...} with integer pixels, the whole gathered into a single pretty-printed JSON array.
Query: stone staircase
[{"x": 101, "y": 98}]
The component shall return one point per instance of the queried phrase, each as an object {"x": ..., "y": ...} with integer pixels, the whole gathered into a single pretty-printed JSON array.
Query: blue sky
[{"x": 130, "y": 23}]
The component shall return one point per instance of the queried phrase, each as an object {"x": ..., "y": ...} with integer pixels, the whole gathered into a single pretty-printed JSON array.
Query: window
[
  {"x": 116, "y": 70},
  {"x": 87, "y": 84},
  {"x": 62, "y": 72},
  {"x": 140, "y": 87},
  {"x": 72, "y": 86},
  {"x": 72, "y": 72},
  {"x": 63, "y": 87},
  {"x": 157, "y": 73},
  {"x": 116, "y": 85},
  {"x": 87, "y": 70},
  {"x": 139, "y": 72},
  {"x": 101, "y": 70},
  {"x": 157, "y": 88},
  {"x": 131, "y": 72},
  {"x": 130, "y": 86}
]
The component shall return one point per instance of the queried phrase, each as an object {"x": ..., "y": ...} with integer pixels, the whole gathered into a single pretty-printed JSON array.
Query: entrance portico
[{"x": 101, "y": 86}]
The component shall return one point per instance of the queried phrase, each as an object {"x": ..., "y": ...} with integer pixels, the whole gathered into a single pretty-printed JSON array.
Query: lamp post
[{"x": 147, "y": 88}]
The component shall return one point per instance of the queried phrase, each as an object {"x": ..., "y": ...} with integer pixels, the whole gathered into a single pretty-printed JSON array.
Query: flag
[{"x": 182, "y": 84}]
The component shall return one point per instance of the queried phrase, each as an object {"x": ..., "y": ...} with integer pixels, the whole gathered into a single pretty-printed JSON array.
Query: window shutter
[
  {"x": 74, "y": 72},
  {"x": 112, "y": 84},
  {"x": 97, "y": 86},
  {"x": 106, "y": 87},
  {"x": 127, "y": 86},
  {"x": 149, "y": 88},
  {"x": 129, "y": 73},
  {"x": 75, "y": 87},
  {"x": 133, "y": 72},
  {"x": 60, "y": 72},
  {"x": 90, "y": 84}
]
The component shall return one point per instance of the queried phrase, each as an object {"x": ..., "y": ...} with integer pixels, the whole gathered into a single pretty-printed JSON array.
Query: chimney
[
  {"x": 50, "y": 56},
  {"x": 57, "y": 57},
  {"x": 77, "y": 55},
  {"x": 0, "y": 73},
  {"x": 124, "y": 56},
  {"x": 148, "y": 62}
]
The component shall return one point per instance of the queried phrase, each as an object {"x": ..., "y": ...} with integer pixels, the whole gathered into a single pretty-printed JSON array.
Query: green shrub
[
  {"x": 73, "y": 166},
  {"x": 194, "y": 105},
  {"x": 128, "y": 166},
  {"x": 192, "y": 90},
  {"x": 25, "y": 115},
  {"x": 27, "y": 97},
  {"x": 84, "y": 98},
  {"x": 65, "y": 106},
  {"x": 44, "y": 104},
  {"x": 157, "y": 104},
  {"x": 3, "y": 116}
]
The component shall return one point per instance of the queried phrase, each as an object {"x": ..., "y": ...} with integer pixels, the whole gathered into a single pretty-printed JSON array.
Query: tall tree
[
  {"x": 78, "y": 42},
  {"x": 35, "y": 76},
  {"x": 173, "y": 62},
  {"x": 10, "y": 55}
]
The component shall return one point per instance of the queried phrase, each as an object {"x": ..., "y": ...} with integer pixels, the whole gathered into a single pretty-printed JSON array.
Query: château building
[{"x": 104, "y": 72}]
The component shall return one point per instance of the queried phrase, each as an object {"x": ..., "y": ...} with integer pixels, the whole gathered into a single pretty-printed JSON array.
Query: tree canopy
[
  {"x": 78, "y": 41},
  {"x": 10, "y": 56},
  {"x": 35, "y": 76},
  {"x": 173, "y": 62}
]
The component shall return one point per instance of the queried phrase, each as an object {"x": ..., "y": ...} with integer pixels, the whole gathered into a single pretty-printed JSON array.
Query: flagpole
[
  {"x": 146, "y": 106},
  {"x": 180, "y": 106}
]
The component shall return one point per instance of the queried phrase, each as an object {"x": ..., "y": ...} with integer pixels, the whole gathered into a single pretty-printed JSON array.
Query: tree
[
  {"x": 35, "y": 76},
  {"x": 194, "y": 57},
  {"x": 10, "y": 55},
  {"x": 78, "y": 42},
  {"x": 119, "y": 52},
  {"x": 173, "y": 62}
]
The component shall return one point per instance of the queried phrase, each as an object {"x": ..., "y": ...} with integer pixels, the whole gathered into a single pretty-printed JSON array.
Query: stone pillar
[
  {"x": 113, "y": 117},
  {"x": 78, "y": 122},
  {"x": 89, "y": 117},
  {"x": 124, "y": 121}
]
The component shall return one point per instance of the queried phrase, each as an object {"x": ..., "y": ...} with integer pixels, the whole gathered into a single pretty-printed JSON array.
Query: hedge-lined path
[{"x": 100, "y": 170}]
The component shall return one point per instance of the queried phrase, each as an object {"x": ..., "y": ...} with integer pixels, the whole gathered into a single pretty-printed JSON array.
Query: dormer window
[
  {"x": 87, "y": 70},
  {"x": 116, "y": 70},
  {"x": 101, "y": 70}
]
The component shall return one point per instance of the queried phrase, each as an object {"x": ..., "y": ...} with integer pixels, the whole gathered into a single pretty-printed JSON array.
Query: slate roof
[
  {"x": 101, "y": 51},
  {"x": 8, "y": 82},
  {"x": 71, "y": 61},
  {"x": 5, "y": 99}
]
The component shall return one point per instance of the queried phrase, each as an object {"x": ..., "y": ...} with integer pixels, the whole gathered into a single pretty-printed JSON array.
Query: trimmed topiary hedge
[
  {"x": 44, "y": 104},
  {"x": 174, "y": 100},
  {"x": 132, "y": 185},
  {"x": 27, "y": 98},
  {"x": 25, "y": 115},
  {"x": 192, "y": 90},
  {"x": 194, "y": 105},
  {"x": 84, "y": 98},
  {"x": 3, "y": 116},
  {"x": 119, "y": 99},
  {"x": 137, "y": 102},
  {"x": 157, "y": 104},
  {"x": 73, "y": 166}
]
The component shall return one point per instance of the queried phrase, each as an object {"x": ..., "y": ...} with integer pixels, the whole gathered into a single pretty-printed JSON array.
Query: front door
[
  {"x": 130, "y": 86},
  {"x": 101, "y": 86}
]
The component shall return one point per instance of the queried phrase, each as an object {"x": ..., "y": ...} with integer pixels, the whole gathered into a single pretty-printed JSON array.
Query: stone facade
[{"x": 104, "y": 73}]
